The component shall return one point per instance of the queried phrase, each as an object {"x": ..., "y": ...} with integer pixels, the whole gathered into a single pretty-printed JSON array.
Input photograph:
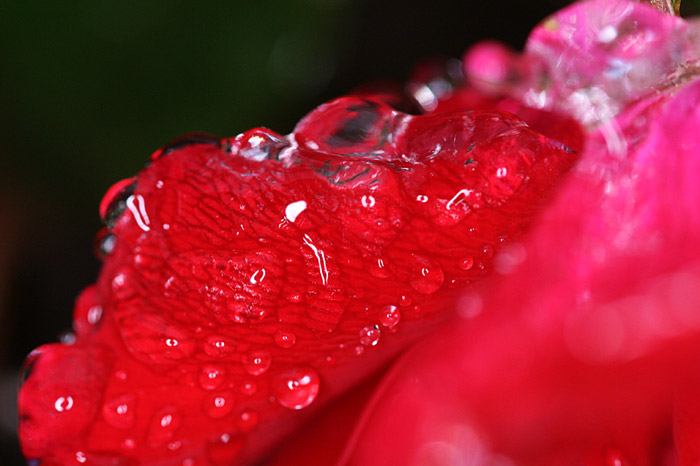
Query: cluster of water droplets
[{"x": 591, "y": 59}]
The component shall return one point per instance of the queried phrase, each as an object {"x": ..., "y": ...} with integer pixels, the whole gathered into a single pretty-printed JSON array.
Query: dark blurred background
[{"x": 88, "y": 89}]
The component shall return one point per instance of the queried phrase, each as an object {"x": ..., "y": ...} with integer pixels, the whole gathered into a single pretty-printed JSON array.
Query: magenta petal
[{"x": 576, "y": 354}]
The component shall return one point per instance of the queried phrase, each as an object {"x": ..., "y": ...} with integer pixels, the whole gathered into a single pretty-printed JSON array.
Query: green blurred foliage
[{"x": 90, "y": 88}]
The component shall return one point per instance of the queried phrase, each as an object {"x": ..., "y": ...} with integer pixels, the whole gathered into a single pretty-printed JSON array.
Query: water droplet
[
  {"x": 80, "y": 457},
  {"x": 405, "y": 300},
  {"x": 249, "y": 388},
  {"x": 119, "y": 411},
  {"x": 224, "y": 450},
  {"x": 389, "y": 316},
  {"x": 257, "y": 362},
  {"x": 163, "y": 426},
  {"x": 259, "y": 144},
  {"x": 378, "y": 268},
  {"x": 67, "y": 338},
  {"x": 219, "y": 346},
  {"x": 218, "y": 405},
  {"x": 285, "y": 338},
  {"x": 184, "y": 141},
  {"x": 422, "y": 198},
  {"x": 359, "y": 350},
  {"x": 211, "y": 377},
  {"x": 466, "y": 263},
  {"x": 369, "y": 336},
  {"x": 28, "y": 365},
  {"x": 296, "y": 388},
  {"x": 487, "y": 250},
  {"x": 247, "y": 421},
  {"x": 113, "y": 203},
  {"x": 104, "y": 243},
  {"x": 428, "y": 278}
]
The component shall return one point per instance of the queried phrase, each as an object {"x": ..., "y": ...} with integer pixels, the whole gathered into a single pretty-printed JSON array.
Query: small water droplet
[
  {"x": 405, "y": 300},
  {"x": 28, "y": 366},
  {"x": 428, "y": 277},
  {"x": 119, "y": 411},
  {"x": 296, "y": 388},
  {"x": 257, "y": 362},
  {"x": 218, "y": 405},
  {"x": 359, "y": 350},
  {"x": 219, "y": 346},
  {"x": 285, "y": 338},
  {"x": 487, "y": 250},
  {"x": 369, "y": 336},
  {"x": 389, "y": 316},
  {"x": 466, "y": 263},
  {"x": 163, "y": 426},
  {"x": 104, "y": 243},
  {"x": 211, "y": 377},
  {"x": 225, "y": 449},
  {"x": 249, "y": 388},
  {"x": 378, "y": 268},
  {"x": 67, "y": 338},
  {"x": 247, "y": 421}
]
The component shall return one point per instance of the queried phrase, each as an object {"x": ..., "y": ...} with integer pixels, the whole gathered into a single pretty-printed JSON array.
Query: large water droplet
[
  {"x": 389, "y": 316},
  {"x": 113, "y": 203},
  {"x": 369, "y": 336},
  {"x": 296, "y": 388},
  {"x": 218, "y": 405},
  {"x": 428, "y": 277},
  {"x": 285, "y": 338},
  {"x": 257, "y": 362},
  {"x": 211, "y": 377},
  {"x": 186, "y": 140},
  {"x": 119, "y": 411}
]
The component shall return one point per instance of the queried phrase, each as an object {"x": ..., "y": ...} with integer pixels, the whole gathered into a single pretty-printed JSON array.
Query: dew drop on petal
[
  {"x": 369, "y": 336},
  {"x": 285, "y": 338},
  {"x": 247, "y": 421},
  {"x": 163, "y": 426},
  {"x": 225, "y": 449},
  {"x": 389, "y": 316},
  {"x": 218, "y": 405},
  {"x": 466, "y": 263},
  {"x": 257, "y": 362},
  {"x": 249, "y": 388},
  {"x": 296, "y": 388},
  {"x": 119, "y": 411},
  {"x": 211, "y": 377},
  {"x": 428, "y": 278}
]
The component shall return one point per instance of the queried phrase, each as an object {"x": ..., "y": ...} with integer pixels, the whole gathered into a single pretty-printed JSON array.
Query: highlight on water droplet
[
  {"x": 119, "y": 411},
  {"x": 369, "y": 336},
  {"x": 63, "y": 403},
  {"x": 292, "y": 211},
  {"x": 296, "y": 388},
  {"x": 285, "y": 338},
  {"x": 257, "y": 362},
  {"x": 389, "y": 316}
]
